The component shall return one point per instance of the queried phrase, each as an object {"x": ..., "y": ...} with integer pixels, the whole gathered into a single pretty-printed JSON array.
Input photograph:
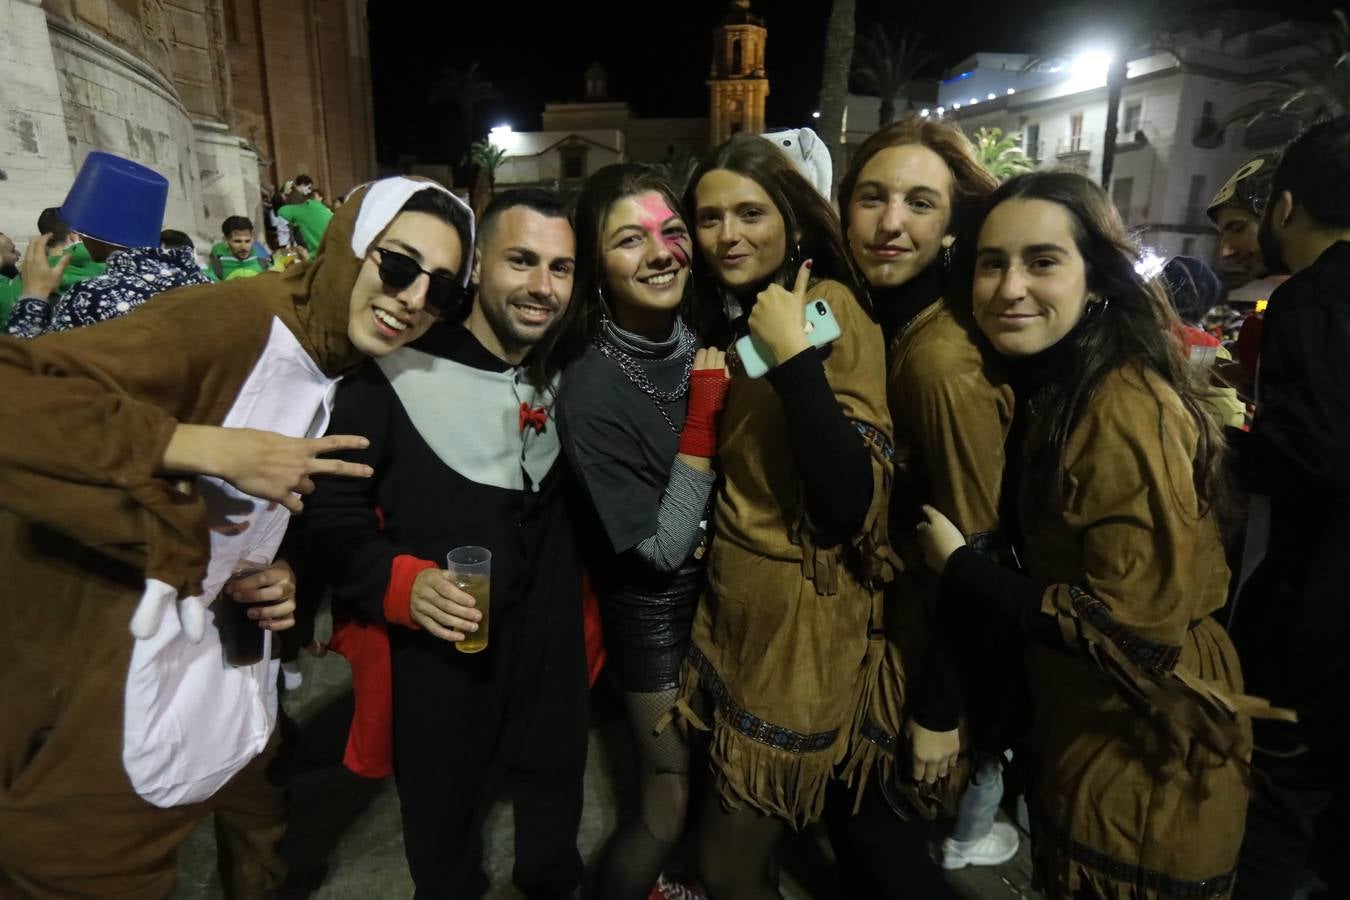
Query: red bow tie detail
[{"x": 537, "y": 417}]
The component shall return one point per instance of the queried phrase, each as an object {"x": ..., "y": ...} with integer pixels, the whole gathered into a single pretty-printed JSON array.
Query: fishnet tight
[{"x": 640, "y": 848}]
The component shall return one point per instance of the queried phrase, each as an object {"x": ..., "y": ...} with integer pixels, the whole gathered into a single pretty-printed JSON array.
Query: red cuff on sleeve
[{"x": 398, "y": 598}]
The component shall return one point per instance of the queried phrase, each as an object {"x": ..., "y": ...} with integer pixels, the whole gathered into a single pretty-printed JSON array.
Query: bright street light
[
  {"x": 502, "y": 136},
  {"x": 1091, "y": 64}
]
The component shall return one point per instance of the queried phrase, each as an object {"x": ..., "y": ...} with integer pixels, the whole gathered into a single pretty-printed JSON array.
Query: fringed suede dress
[
  {"x": 787, "y": 636},
  {"x": 1138, "y": 744}
]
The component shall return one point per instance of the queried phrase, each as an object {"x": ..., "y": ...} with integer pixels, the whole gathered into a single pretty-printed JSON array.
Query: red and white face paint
[{"x": 646, "y": 251}]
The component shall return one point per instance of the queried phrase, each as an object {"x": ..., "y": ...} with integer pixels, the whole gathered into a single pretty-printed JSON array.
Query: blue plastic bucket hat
[{"x": 117, "y": 201}]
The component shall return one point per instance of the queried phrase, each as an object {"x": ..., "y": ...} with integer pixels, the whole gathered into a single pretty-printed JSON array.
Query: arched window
[{"x": 736, "y": 56}]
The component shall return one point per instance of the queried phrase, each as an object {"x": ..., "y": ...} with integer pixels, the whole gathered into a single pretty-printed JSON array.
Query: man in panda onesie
[
  {"x": 143, "y": 460},
  {"x": 465, "y": 452}
]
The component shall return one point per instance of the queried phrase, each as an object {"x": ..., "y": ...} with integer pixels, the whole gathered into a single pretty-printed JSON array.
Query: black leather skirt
[{"x": 647, "y": 631}]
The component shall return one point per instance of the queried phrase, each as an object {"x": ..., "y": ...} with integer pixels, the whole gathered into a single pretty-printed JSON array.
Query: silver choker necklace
[{"x": 627, "y": 348}]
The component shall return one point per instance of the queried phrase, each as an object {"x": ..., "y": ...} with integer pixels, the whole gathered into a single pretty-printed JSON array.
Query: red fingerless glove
[{"x": 707, "y": 396}]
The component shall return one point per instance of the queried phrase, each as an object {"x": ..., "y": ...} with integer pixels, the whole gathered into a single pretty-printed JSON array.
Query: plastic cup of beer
[{"x": 470, "y": 568}]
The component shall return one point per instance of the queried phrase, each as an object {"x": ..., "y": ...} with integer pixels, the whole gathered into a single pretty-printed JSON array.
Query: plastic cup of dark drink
[
  {"x": 470, "y": 568},
  {"x": 240, "y": 637}
]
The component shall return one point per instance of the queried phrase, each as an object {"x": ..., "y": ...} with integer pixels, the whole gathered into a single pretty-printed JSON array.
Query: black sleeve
[
  {"x": 1300, "y": 439},
  {"x": 1009, "y": 599},
  {"x": 937, "y": 702},
  {"x": 341, "y": 528},
  {"x": 834, "y": 464}
]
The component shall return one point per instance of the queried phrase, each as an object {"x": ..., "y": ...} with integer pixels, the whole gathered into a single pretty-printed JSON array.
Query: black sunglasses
[{"x": 398, "y": 270}]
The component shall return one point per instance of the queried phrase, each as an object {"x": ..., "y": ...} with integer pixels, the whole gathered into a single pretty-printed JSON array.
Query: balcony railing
[
  {"x": 1133, "y": 138},
  {"x": 1073, "y": 145},
  {"x": 1207, "y": 132}
]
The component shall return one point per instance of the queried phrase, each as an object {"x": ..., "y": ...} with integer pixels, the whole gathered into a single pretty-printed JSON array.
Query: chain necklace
[{"x": 631, "y": 367}]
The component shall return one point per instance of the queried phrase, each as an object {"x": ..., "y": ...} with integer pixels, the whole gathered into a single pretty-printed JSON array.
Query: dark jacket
[{"x": 1292, "y": 619}]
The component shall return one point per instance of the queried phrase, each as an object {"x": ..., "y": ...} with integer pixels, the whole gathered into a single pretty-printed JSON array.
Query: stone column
[{"x": 35, "y": 159}]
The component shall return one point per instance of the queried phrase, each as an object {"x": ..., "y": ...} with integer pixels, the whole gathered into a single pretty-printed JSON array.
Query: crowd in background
[{"x": 865, "y": 504}]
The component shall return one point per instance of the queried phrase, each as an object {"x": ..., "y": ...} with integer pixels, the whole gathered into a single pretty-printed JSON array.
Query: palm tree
[
  {"x": 834, "y": 82},
  {"x": 885, "y": 61},
  {"x": 678, "y": 169},
  {"x": 1002, "y": 154},
  {"x": 464, "y": 89},
  {"x": 1312, "y": 88},
  {"x": 1126, "y": 28},
  {"x": 488, "y": 158}
]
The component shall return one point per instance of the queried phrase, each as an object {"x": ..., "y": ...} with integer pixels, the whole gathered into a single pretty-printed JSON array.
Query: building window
[
  {"x": 1133, "y": 118},
  {"x": 1032, "y": 142},
  {"x": 736, "y": 56},
  {"x": 1122, "y": 191},
  {"x": 1195, "y": 208},
  {"x": 574, "y": 164},
  {"x": 1075, "y": 132}
]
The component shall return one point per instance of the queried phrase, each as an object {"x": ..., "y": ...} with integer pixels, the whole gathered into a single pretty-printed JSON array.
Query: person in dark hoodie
[{"x": 1291, "y": 620}]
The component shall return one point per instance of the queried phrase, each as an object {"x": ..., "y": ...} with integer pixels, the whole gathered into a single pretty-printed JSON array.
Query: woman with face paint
[
  {"x": 638, "y": 414},
  {"x": 901, "y": 202},
  {"x": 786, "y": 640},
  {"x": 1111, "y": 494}
]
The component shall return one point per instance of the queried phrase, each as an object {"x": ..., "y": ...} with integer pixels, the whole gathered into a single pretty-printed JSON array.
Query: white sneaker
[{"x": 994, "y": 849}]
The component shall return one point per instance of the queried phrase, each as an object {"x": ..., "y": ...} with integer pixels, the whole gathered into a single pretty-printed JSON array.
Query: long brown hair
[
  {"x": 1134, "y": 328},
  {"x": 601, "y": 191},
  {"x": 807, "y": 217},
  {"x": 971, "y": 181}
]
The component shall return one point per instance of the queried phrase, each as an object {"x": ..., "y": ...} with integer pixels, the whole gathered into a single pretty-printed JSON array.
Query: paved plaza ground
[{"x": 345, "y": 842}]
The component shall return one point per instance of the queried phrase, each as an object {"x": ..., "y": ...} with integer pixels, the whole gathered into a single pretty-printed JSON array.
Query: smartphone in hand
[{"x": 821, "y": 328}]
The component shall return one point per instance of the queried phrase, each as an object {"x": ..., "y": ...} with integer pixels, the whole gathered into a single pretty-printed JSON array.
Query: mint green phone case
[{"x": 821, "y": 328}]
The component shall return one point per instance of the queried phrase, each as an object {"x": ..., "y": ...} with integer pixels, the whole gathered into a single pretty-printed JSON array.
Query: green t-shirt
[
  {"x": 311, "y": 217},
  {"x": 230, "y": 265},
  {"x": 10, "y": 291},
  {"x": 81, "y": 267}
]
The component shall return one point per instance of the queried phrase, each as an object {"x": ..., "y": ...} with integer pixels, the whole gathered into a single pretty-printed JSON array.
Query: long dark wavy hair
[
  {"x": 591, "y": 296},
  {"x": 810, "y": 224},
  {"x": 1135, "y": 328}
]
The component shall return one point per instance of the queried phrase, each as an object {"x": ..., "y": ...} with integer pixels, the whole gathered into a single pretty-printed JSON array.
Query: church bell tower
[{"x": 737, "y": 84}]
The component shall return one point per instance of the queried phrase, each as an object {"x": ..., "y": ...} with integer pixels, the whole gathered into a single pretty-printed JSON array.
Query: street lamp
[{"x": 502, "y": 136}]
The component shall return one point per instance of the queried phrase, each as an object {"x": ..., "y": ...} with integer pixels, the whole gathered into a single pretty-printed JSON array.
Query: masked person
[{"x": 124, "y": 722}]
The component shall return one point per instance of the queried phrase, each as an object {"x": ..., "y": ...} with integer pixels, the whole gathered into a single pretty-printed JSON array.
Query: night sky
[{"x": 656, "y": 54}]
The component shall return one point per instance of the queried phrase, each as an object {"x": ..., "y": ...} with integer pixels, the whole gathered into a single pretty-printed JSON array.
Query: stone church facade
[{"x": 222, "y": 97}]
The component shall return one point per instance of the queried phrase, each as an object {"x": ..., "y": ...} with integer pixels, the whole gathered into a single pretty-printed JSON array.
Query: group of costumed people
[{"x": 976, "y": 505}]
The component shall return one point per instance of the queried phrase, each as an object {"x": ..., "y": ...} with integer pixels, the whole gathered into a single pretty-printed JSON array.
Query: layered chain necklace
[{"x": 626, "y": 349}]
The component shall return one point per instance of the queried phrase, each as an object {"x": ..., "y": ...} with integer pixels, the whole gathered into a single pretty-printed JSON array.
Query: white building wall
[
  {"x": 115, "y": 103},
  {"x": 35, "y": 160}
]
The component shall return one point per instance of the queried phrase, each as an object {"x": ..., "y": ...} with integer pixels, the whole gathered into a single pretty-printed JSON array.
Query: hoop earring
[{"x": 1098, "y": 306}]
